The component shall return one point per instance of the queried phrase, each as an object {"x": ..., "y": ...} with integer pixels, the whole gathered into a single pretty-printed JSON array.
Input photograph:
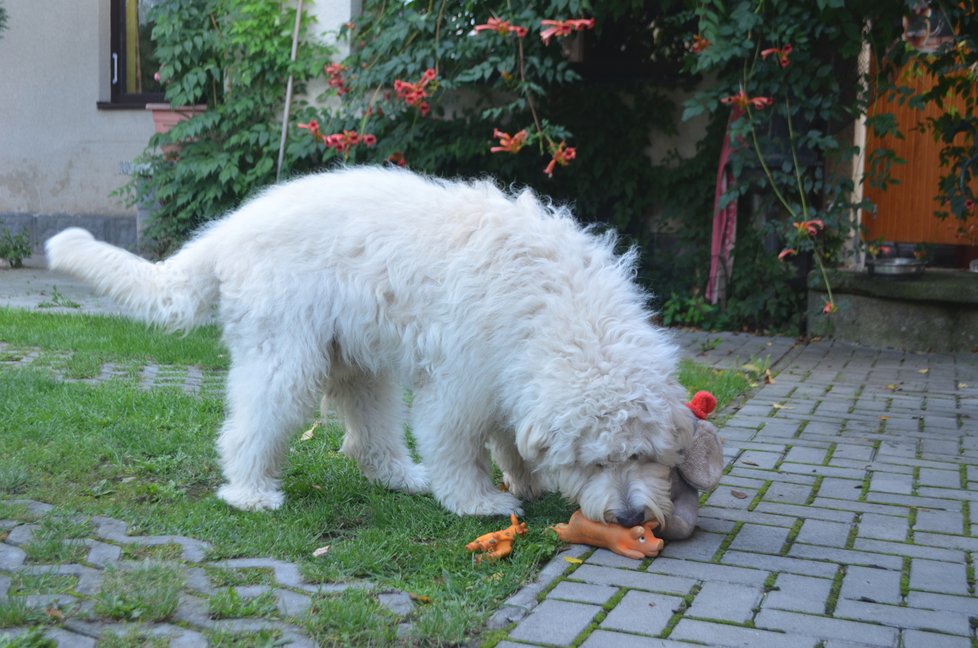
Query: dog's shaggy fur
[{"x": 517, "y": 331}]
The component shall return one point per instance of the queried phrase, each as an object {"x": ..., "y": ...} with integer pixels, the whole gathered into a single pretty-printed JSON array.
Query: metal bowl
[{"x": 895, "y": 267}]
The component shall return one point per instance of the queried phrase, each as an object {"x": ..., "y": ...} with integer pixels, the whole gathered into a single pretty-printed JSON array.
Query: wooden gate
[{"x": 905, "y": 211}]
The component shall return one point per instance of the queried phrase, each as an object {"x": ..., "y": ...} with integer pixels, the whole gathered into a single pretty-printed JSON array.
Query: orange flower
[
  {"x": 335, "y": 73},
  {"x": 348, "y": 139},
  {"x": 414, "y": 94},
  {"x": 787, "y": 252},
  {"x": 562, "y": 155},
  {"x": 811, "y": 226},
  {"x": 699, "y": 44},
  {"x": 563, "y": 27},
  {"x": 501, "y": 27},
  {"x": 743, "y": 101},
  {"x": 313, "y": 127},
  {"x": 508, "y": 143},
  {"x": 829, "y": 308},
  {"x": 780, "y": 52}
]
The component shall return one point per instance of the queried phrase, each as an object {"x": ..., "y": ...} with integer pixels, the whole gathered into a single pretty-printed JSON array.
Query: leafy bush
[
  {"x": 567, "y": 97},
  {"x": 234, "y": 57},
  {"x": 15, "y": 247}
]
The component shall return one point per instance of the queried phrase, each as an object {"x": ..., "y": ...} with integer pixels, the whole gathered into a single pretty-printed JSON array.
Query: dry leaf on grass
[
  {"x": 420, "y": 598},
  {"x": 310, "y": 433},
  {"x": 320, "y": 552}
]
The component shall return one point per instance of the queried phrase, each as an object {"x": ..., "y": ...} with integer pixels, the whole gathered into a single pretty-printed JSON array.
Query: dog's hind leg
[
  {"x": 373, "y": 412},
  {"x": 452, "y": 432},
  {"x": 268, "y": 399}
]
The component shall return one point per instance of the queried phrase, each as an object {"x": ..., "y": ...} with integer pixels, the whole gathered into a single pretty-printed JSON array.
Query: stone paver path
[{"x": 847, "y": 517}]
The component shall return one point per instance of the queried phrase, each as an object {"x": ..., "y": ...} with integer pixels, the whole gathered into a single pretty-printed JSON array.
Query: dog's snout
[{"x": 630, "y": 518}]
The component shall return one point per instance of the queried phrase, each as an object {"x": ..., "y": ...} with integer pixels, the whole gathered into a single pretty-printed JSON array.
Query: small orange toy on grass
[
  {"x": 637, "y": 542},
  {"x": 497, "y": 544}
]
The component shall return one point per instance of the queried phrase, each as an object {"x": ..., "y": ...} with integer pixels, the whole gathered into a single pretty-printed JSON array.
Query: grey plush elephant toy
[{"x": 700, "y": 470}]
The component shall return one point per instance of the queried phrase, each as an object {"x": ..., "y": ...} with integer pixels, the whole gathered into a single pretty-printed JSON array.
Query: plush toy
[
  {"x": 637, "y": 542},
  {"x": 497, "y": 544},
  {"x": 701, "y": 469}
]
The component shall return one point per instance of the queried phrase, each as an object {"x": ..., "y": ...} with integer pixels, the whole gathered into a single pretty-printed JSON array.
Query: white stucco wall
[{"x": 60, "y": 154}]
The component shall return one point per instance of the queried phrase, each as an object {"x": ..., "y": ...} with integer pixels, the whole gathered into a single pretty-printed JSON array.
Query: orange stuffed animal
[
  {"x": 637, "y": 542},
  {"x": 497, "y": 544}
]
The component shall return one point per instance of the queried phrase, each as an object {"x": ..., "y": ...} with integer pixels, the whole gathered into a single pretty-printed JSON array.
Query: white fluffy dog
[{"x": 519, "y": 333}]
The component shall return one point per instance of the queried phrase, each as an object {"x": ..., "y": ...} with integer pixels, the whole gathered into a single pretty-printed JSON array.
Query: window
[{"x": 132, "y": 62}]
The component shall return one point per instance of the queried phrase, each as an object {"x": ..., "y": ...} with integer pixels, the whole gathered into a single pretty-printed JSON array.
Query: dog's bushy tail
[{"x": 176, "y": 294}]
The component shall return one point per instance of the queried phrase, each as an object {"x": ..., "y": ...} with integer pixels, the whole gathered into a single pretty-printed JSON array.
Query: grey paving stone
[
  {"x": 817, "y": 568},
  {"x": 932, "y": 601},
  {"x": 651, "y": 582},
  {"x": 725, "y": 602},
  {"x": 904, "y": 617},
  {"x": 813, "y": 512},
  {"x": 849, "y": 557},
  {"x": 707, "y": 571},
  {"x": 399, "y": 603},
  {"x": 11, "y": 558},
  {"x": 763, "y": 460},
  {"x": 824, "y": 471},
  {"x": 884, "y": 527},
  {"x": 823, "y": 533},
  {"x": 723, "y": 497},
  {"x": 877, "y": 585},
  {"x": 286, "y": 574},
  {"x": 743, "y": 515},
  {"x": 606, "y": 639},
  {"x": 921, "y": 639},
  {"x": 607, "y": 558},
  {"x": 910, "y": 550},
  {"x": 941, "y": 577},
  {"x": 804, "y": 454},
  {"x": 642, "y": 613},
  {"x": 953, "y": 541},
  {"x": 555, "y": 622},
  {"x": 21, "y": 535},
  {"x": 67, "y": 639},
  {"x": 940, "y": 478},
  {"x": 582, "y": 592},
  {"x": 102, "y": 553},
  {"x": 714, "y": 634},
  {"x": 826, "y": 628},
  {"x": 760, "y": 538},
  {"x": 845, "y": 489},
  {"x": 799, "y": 594},
  {"x": 780, "y": 492},
  {"x": 912, "y": 501},
  {"x": 891, "y": 483},
  {"x": 701, "y": 546}
]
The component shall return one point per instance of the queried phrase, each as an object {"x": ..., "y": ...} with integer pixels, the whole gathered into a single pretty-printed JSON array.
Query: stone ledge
[{"x": 936, "y": 311}]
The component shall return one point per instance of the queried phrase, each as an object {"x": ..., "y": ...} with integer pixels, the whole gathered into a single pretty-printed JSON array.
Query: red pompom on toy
[{"x": 702, "y": 404}]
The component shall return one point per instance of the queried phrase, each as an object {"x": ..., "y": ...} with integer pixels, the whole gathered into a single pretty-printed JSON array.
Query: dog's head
[{"x": 615, "y": 466}]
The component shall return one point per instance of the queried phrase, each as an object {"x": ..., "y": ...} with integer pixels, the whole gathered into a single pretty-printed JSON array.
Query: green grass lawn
[{"x": 147, "y": 457}]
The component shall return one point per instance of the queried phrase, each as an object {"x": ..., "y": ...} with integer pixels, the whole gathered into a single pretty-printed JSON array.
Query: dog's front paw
[
  {"x": 409, "y": 478},
  {"x": 249, "y": 499},
  {"x": 493, "y": 503},
  {"x": 525, "y": 488}
]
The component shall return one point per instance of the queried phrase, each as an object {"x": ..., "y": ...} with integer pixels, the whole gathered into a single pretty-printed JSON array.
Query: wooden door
[{"x": 905, "y": 211}]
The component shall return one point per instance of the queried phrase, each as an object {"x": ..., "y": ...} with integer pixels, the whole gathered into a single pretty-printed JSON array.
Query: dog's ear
[{"x": 546, "y": 446}]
